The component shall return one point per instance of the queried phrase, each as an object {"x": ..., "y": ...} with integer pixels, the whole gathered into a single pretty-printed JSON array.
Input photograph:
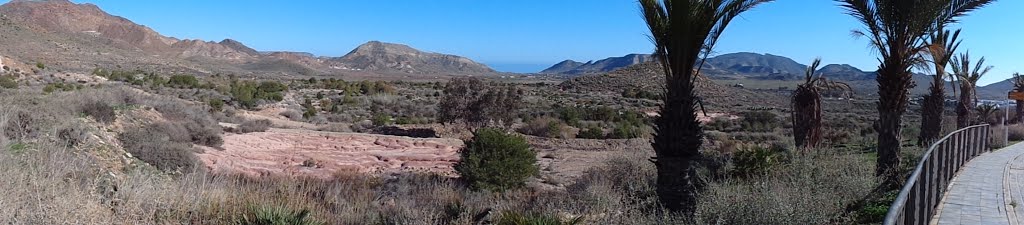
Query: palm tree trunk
[
  {"x": 965, "y": 107},
  {"x": 931, "y": 114},
  {"x": 677, "y": 143},
  {"x": 806, "y": 115},
  {"x": 893, "y": 84}
]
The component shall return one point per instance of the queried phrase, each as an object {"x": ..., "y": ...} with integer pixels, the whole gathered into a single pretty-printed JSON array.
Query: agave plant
[
  {"x": 806, "y": 103},
  {"x": 684, "y": 32},
  {"x": 895, "y": 28},
  {"x": 968, "y": 80},
  {"x": 1018, "y": 85},
  {"x": 941, "y": 46}
]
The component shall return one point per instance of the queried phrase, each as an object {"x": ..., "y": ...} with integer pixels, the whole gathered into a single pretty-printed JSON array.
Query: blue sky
[{"x": 528, "y": 35}]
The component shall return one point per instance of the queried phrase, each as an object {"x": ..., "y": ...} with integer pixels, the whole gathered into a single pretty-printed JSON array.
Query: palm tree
[
  {"x": 684, "y": 33},
  {"x": 806, "y": 103},
  {"x": 895, "y": 28},
  {"x": 968, "y": 80},
  {"x": 1018, "y": 85},
  {"x": 986, "y": 112},
  {"x": 940, "y": 49}
]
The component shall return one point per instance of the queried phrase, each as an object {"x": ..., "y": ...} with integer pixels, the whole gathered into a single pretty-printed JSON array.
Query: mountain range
[
  {"x": 741, "y": 65},
  {"x": 73, "y": 36},
  {"x": 81, "y": 37}
]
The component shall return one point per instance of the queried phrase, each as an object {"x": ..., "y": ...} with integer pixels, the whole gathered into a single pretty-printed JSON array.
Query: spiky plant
[
  {"x": 1018, "y": 85},
  {"x": 941, "y": 46},
  {"x": 968, "y": 80},
  {"x": 684, "y": 33},
  {"x": 895, "y": 28},
  {"x": 806, "y": 103}
]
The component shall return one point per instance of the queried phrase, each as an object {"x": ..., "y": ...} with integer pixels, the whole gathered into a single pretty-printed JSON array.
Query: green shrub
[
  {"x": 248, "y": 94},
  {"x": 266, "y": 215},
  {"x": 40, "y": 65},
  {"x": 8, "y": 82},
  {"x": 496, "y": 161},
  {"x": 381, "y": 119},
  {"x": 759, "y": 121},
  {"x": 591, "y": 133},
  {"x": 216, "y": 105},
  {"x": 60, "y": 87},
  {"x": 310, "y": 112},
  {"x": 183, "y": 81},
  {"x": 625, "y": 131},
  {"x": 515, "y": 218},
  {"x": 756, "y": 159}
]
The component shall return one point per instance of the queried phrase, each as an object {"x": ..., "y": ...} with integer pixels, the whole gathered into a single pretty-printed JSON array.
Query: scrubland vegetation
[{"x": 125, "y": 154}]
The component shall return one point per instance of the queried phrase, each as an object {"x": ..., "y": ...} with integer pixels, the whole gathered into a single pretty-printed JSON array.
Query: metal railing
[{"x": 924, "y": 189}]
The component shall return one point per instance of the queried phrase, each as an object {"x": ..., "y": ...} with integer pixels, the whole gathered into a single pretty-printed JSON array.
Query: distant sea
[{"x": 519, "y": 67}]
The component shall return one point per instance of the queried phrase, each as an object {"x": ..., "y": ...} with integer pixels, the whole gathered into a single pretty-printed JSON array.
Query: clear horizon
[{"x": 530, "y": 35}]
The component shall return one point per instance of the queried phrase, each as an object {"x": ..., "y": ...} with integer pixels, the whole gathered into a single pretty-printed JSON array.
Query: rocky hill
[
  {"x": 753, "y": 64},
  {"x": 648, "y": 76},
  {"x": 845, "y": 72},
  {"x": 599, "y": 66},
  {"x": 69, "y": 36},
  {"x": 562, "y": 67},
  {"x": 380, "y": 56}
]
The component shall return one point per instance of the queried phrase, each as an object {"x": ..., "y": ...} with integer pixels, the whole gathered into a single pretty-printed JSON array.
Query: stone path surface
[{"x": 985, "y": 188}]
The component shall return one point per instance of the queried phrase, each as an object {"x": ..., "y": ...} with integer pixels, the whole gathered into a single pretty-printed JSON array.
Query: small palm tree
[
  {"x": 987, "y": 113},
  {"x": 895, "y": 28},
  {"x": 940, "y": 50},
  {"x": 684, "y": 32},
  {"x": 1018, "y": 85},
  {"x": 968, "y": 80},
  {"x": 806, "y": 103}
]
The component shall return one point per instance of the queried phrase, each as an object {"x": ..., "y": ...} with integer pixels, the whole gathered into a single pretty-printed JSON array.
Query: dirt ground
[{"x": 293, "y": 152}]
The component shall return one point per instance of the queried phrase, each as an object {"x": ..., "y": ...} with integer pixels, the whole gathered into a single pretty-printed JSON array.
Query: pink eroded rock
[{"x": 284, "y": 152}]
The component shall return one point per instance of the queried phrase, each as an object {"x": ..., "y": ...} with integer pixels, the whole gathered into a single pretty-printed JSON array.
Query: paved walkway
[{"x": 986, "y": 187}]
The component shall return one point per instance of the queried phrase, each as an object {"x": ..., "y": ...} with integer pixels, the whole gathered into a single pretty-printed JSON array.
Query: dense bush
[
  {"x": 759, "y": 120},
  {"x": 476, "y": 102},
  {"x": 249, "y": 94},
  {"x": 216, "y": 104},
  {"x": 183, "y": 81},
  {"x": 99, "y": 111},
  {"x": 253, "y": 126},
  {"x": 547, "y": 127},
  {"x": 153, "y": 145},
  {"x": 1016, "y": 132},
  {"x": 625, "y": 131},
  {"x": 496, "y": 161},
  {"x": 8, "y": 82},
  {"x": 60, "y": 87},
  {"x": 21, "y": 125},
  {"x": 381, "y": 119},
  {"x": 814, "y": 188},
  {"x": 591, "y": 133},
  {"x": 756, "y": 159}
]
